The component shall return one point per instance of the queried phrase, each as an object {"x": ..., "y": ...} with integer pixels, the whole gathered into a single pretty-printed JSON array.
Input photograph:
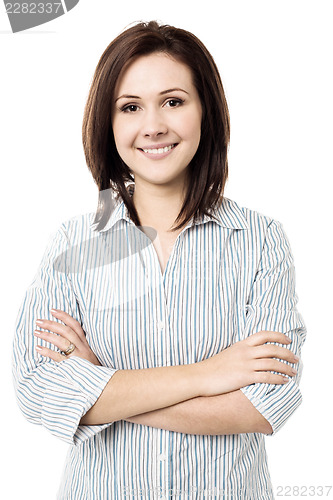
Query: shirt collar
[{"x": 228, "y": 215}]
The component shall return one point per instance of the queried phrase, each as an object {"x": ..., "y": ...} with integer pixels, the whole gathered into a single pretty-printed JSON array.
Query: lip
[
  {"x": 156, "y": 156},
  {"x": 158, "y": 146}
]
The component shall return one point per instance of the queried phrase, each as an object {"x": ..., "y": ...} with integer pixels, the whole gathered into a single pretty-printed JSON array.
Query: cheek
[
  {"x": 191, "y": 126},
  {"x": 194, "y": 133},
  {"x": 123, "y": 134}
]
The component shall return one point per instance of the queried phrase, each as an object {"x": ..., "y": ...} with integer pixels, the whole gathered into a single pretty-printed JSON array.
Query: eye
[
  {"x": 174, "y": 103},
  {"x": 130, "y": 108}
]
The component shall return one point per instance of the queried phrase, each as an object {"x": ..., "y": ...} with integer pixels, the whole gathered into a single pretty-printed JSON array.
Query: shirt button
[
  {"x": 162, "y": 457},
  {"x": 160, "y": 325}
]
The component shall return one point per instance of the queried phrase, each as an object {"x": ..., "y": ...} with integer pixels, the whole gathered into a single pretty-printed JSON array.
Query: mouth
[{"x": 158, "y": 152}]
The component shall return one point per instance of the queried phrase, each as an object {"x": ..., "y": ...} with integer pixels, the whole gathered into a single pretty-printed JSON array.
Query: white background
[{"x": 275, "y": 59}]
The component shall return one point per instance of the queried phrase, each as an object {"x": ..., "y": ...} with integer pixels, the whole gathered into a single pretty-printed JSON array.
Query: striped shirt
[{"x": 225, "y": 280}]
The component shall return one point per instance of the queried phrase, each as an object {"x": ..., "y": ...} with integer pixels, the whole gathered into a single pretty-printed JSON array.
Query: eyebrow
[{"x": 128, "y": 96}]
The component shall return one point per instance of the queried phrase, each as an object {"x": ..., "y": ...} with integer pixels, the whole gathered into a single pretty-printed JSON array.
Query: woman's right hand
[{"x": 247, "y": 362}]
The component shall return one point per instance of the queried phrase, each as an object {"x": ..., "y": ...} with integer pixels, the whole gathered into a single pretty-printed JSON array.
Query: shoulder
[
  {"x": 78, "y": 227},
  {"x": 247, "y": 217},
  {"x": 258, "y": 228}
]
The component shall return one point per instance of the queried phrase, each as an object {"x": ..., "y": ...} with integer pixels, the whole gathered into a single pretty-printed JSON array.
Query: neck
[{"x": 158, "y": 206}]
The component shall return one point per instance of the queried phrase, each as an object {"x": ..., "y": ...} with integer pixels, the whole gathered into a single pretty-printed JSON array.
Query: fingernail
[
  {"x": 54, "y": 311},
  {"x": 293, "y": 371},
  {"x": 36, "y": 332},
  {"x": 38, "y": 348},
  {"x": 39, "y": 321},
  {"x": 296, "y": 358}
]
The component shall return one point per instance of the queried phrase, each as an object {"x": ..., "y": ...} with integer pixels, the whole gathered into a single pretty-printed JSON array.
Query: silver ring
[{"x": 69, "y": 349}]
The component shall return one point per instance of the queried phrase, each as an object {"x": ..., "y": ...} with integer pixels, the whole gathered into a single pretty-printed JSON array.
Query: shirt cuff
[
  {"x": 71, "y": 391},
  {"x": 275, "y": 402}
]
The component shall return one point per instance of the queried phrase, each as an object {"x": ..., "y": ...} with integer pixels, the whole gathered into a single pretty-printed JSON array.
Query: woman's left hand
[{"x": 70, "y": 334}]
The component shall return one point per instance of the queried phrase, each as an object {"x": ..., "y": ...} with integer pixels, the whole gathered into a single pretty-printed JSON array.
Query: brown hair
[{"x": 208, "y": 168}]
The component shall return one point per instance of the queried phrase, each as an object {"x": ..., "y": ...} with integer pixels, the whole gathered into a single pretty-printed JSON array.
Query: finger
[
  {"x": 70, "y": 321},
  {"x": 275, "y": 351},
  {"x": 270, "y": 378},
  {"x": 49, "y": 353},
  {"x": 264, "y": 336},
  {"x": 275, "y": 366},
  {"x": 53, "y": 326},
  {"x": 61, "y": 330},
  {"x": 61, "y": 342}
]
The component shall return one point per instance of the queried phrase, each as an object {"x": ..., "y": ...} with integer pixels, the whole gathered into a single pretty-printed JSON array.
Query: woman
[{"x": 164, "y": 343}]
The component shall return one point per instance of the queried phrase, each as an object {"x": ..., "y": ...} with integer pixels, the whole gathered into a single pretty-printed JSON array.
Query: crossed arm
[
  {"x": 200, "y": 398},
  {"x": 230, "y": 413}
]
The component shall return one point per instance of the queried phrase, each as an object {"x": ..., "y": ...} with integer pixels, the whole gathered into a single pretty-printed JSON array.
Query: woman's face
[{"x": 156, "y": 119}]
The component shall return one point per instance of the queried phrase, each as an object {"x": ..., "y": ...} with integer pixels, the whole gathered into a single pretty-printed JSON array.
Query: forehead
[{"x": 157, "y": 71}]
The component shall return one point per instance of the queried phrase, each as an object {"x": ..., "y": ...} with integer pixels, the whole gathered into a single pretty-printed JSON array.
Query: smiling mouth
[{"x": 159, "y": 151}]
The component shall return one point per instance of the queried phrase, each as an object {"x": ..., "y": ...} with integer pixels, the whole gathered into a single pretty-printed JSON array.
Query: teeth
[{"x": 159, "y": 151}]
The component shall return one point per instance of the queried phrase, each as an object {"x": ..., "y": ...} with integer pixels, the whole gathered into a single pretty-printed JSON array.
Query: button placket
[
  {"x": 162, "y": 459},
  {"x": 162, "y": 462}
]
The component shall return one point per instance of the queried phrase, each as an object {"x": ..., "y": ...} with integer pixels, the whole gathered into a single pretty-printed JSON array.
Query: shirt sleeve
[
  {"x": 54, "y": 395},
  {"x": 272, "y": 306}
]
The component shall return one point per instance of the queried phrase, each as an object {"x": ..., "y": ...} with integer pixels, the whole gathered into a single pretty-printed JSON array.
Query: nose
[{"x": 153, "y": 124}]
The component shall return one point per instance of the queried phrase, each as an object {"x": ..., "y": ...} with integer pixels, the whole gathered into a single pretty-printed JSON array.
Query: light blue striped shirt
[{"x": 224, "y": 281}]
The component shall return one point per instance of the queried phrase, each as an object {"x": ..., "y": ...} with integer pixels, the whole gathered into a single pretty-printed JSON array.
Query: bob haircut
[{"x": 208, "y": 169}]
